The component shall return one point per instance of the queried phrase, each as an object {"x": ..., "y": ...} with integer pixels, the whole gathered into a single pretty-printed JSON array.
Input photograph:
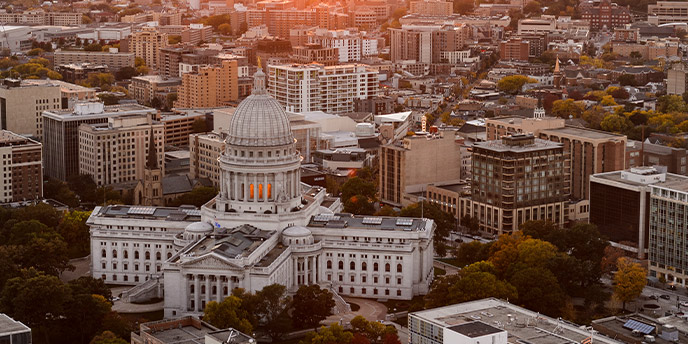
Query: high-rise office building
[
  {"x": 517, "y": 179},
  {"x": 314, "y": 87},
  {"x": 116, "y": 151},
  {"x": 61, "y": 133}
]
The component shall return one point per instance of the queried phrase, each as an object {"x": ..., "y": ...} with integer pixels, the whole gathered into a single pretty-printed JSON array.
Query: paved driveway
[{"x": 370, "y": 309}]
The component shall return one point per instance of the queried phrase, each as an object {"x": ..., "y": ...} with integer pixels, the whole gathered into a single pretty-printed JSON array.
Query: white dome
[
  {"x": 260, "y": 121},
  {"x": 199, "y": 228},
  {"x": 296, "y": 231}
]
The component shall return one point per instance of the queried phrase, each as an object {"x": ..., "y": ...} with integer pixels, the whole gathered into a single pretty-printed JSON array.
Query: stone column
[
  {"x": 236, "y": 187},
  {"x": 265, "y": 187},
  {"x": 197, "y": 293},
  {"x": 256, "y": 194},
  {"x": 230, "y": 285},
  {"x": 246, "y": 188},
  {"x": 218, "y": 296},
  {"x": 314, "y": 268},
  {"x": 296, "y": 271},
  {"x": 207, "y": 289}
]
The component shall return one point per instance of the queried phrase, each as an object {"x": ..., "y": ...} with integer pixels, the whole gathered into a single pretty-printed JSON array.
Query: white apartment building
[
  {"x": 314, "y": 87},
  {"x": 116, "y": 151},
  {"x": 205, "y": 149},
  {"x": 352, "y": 46}
]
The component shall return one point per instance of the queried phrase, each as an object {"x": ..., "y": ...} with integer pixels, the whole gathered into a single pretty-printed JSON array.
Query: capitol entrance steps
[{"x": 146, "y": 291}]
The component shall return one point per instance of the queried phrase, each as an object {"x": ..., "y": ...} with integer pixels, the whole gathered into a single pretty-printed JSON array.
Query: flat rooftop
[
  {"x": 183, "y": 213},
  {"x": 232, "y": 244},
  {"x": 475, "y": 329},
  {"x": 186, "y": 330},
  {"x": 583, "y": 132},
  {"x": 113, "y": 110},
  {"x": 499, "y": 146},
  {"x": 522, "y": 325},
  {"x": 458, "y": 187},
  {"x": 674, "y": 181},
  {"x": 369, "y": 222},
  {"x": 8, "y": 138}
]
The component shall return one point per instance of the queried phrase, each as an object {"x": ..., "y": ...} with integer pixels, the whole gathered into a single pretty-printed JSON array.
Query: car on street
[{"x": 665, "y": 297}]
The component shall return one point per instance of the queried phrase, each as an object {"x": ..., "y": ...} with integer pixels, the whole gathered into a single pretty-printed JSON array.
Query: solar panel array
[
  {"x": 372, "y": 221},
  {"x": 326, "y": 218},
  {"x": 192, "y": 212},
  {"x": 639, "y": 326},
  {"x": 404, "y": 221},
  {"x": 141, "y": 211}
]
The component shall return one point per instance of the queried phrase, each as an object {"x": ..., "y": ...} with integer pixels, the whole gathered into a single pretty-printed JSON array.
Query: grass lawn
[
  {"x": 440, "y": 272},
  {"x": 402, "y": 305}
]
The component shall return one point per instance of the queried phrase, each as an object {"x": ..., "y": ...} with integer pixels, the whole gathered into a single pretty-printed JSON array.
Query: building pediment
[{"x": 210, "y": 261}]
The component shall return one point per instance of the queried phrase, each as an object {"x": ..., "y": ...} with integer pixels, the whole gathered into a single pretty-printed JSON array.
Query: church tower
[
  {"x": 558, "y": 76},
  {"x": 152, "y": 177}
]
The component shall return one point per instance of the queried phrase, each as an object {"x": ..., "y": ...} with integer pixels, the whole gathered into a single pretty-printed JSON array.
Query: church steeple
[{"x": 152, "y": 161}]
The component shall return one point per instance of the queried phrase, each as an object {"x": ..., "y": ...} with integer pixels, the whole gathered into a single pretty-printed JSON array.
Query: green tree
[
  {"x": 125, "y": 73},
  {"x": 359, "y": 205},
  {"x": 607, "y": 101},
  {"x": 59, "y": 191},
  {"x": 272, "y": 310},
  {"x": 312, "y": 305},
  {"x": 227, "y": 314},
  {"x": 539, "y": 290},
  {"x": 75, "y": 232},
  {"x": 107, "y": 337},
  {"x": 471, "y": 252},
  {"x": 35, "y": 299},
  {"x": 334, "y": 334},
  {"x": 630, "y": 280},
  {"x": 88, "y": 311},
  {"x": 41, "y": 247},
  {"x": 615, "y": 123},
  {"x": 93, "y": 47},
  {"x": 627, "y": 80},
  {"x": 225, "y": 29},
  {"x": 566, "y": 108},
  {"x": 35, "y": 52},
  {"x": 358, "y": 186},
  {"x": 514, "y": 83},
  {"x": 88, "y": 285},
  {"x": 40, "y": 212}
]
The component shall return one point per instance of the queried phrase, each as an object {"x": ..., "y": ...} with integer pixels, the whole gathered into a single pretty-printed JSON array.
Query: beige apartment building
[
  {"x": 21, "y": 106},
  {"x": 70, "y": 93},
  {"x": 22, "y": 177},
  {"x": 665, "y": 12},
  {"x": 212, "y": 86},
  {"x": 407, "y": 166},
  {"x": 146, "y": 44},
  {"x": 677, "y": 82},
  {"x": 113, "y": 60},
  {"x": 116, "y": 151},
  {"x": 650, "y": 50},
  {"x": 40, "y": 17},
  {"x": 205, "y": 150},
  {"x": 432, "y": 7}
]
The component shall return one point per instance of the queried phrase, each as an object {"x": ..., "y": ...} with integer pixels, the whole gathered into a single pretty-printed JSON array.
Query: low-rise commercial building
[
  {"x": 22, "y": 177},
  {"x": 146, "y": 88},
  {"x": 186, "y": 329},
  {"x": 113, "y": 60},
  {"x": 493, "y": 321}
]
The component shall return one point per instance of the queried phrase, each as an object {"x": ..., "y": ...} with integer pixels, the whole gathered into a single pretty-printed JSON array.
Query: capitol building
[{"x": 263, "y": 227}]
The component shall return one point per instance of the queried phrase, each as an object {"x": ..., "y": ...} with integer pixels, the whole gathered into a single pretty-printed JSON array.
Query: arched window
[
  {"x": 269, "y": 191},
  {"x": 192, "y": 289},
  {"x": 169, "y": 255},
  {"x": 214, "y": 290},
  {"x": 250, "y": 191},
  {"x": 224, "y": 291},
  {"x": 126, "y": 254},
  {"x": 375, "y": 266},
  {"x": 260, "y": 191},
  {"x": 364, "y": 266},
  {"x": 398, "y": 267},
  {"x": 387, "y": 267},
  {"x": 114, "y": 254},
  {"x": 202, "y": 289},
  {"x": 341, "y": 265},
  {"x": 352, "y": 266},
  {"x": 329, "y": 264},
  {"x": 158, "y": 256},
  {"x": 136, "y": 254},
  {"x": 147, "y": 255},
  {"x": 103, "y": 253}
]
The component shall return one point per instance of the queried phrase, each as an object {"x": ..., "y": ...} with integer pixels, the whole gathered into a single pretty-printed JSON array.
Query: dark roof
[
  {"x": 176, "y": 184},
  {"x": 470, "y": 128},
  {"x": 475, "y": 329},
  {"x": 369, "y": 142}
]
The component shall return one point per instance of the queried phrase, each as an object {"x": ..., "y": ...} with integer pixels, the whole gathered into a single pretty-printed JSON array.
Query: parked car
[{"x": 665, "y": 297}]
